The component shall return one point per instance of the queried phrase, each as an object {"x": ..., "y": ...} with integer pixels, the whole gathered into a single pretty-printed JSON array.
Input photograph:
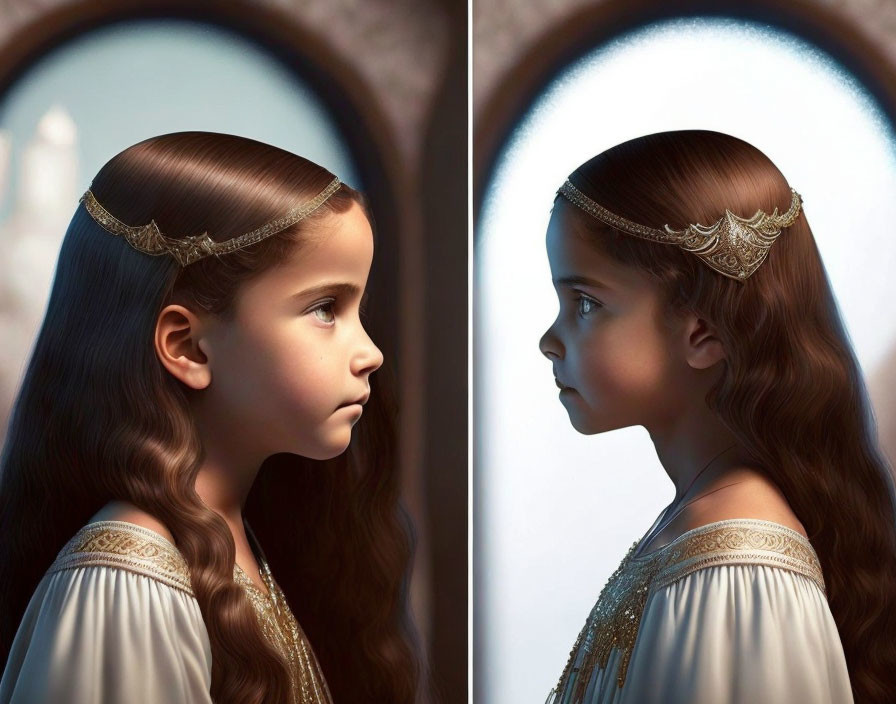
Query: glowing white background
[{"x": 557, "y": 510}]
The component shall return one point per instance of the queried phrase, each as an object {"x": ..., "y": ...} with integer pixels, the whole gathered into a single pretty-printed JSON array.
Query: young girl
[
  {"x": 771, "y": 577},
  {"x": 190, "y": 398}
]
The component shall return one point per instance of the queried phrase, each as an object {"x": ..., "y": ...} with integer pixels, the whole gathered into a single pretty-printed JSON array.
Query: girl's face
[
  {"x": 292, "y": 369},
  {"x": 608, "y": 348}
]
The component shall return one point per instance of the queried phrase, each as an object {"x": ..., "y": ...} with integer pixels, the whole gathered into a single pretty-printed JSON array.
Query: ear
[
  {"x": 177, "y": 343},
  {"x": 702, "y": 348}
]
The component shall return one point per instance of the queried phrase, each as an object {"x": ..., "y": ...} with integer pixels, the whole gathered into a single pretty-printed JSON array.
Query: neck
[
  {"x": 228, "y": 469},
  {"x": 694, "y": 442}
]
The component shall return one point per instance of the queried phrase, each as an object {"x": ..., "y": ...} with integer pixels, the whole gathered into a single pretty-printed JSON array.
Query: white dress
[
  {"x": 732, "y": 612},
  {"x": 114, "y": 619}
]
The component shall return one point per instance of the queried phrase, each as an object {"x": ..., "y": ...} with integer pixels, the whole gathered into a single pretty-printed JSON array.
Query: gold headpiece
[
  {"x": 148, "y": 238},
  {"x": 733, "y": 246}
]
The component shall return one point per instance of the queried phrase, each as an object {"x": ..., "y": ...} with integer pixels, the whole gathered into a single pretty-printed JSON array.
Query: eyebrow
[
  {"x": 581, "y": 281},
  {"x": 340, "y": 288}
]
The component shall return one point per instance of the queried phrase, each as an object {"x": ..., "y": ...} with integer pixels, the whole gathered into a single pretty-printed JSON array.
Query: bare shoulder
[
  {"x": 126, "y": 511},
  {"x": 749, "y": 494}
]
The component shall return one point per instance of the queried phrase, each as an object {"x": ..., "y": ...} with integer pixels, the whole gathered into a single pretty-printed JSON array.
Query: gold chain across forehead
[
  {"x": 732, "y": 246},
  {"x": 148, "y": 238}
]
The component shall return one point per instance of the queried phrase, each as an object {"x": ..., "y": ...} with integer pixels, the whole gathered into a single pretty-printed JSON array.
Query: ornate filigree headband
[
  {"x": 732, "y": 246},
  {"x": 148, "y": 238}
]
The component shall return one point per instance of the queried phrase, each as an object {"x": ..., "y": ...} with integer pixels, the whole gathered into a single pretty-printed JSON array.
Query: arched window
[
  {"x": 91, "y": 97},
  {"x": 556, "y": 510},
  {"x": 374, "y": 91}
]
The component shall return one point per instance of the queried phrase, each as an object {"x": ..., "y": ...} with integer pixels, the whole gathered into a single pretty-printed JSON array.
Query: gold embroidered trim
[
  {"x": 143, "y": 551},
  {"x": 736, "y": 544},
  {"x": 616, "y": 617},
  {"x": 128, "y": 546},
  {"x": 283, "y": 631}
]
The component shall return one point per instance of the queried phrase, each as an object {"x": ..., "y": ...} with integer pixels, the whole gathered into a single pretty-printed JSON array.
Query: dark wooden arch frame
[
  {"x": 395, "y": 199},
  {"x": 588, "y": 28},
  {"x": 345, "y": 94},
  {"x": 341, "y": 89}
]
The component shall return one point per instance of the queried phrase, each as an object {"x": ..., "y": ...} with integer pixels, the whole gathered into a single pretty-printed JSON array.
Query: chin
[
  {"x": 328, "y": 440},
  {"x": 325, "y": 452},
  {"x": 335, "y": 445},
  {"x": 588, "y": 426},
  {"x": 587, "y": 430}
]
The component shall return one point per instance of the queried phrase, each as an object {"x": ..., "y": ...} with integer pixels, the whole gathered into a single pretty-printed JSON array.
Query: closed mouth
[{"x": 360, "y": 401}]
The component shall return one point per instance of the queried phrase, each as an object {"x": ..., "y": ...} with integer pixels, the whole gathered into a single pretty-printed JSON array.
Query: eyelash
[
  {"x": 581, "y": 298},
  {"x": 328, "y": 304},
  {"x": 324, "y": 305}
]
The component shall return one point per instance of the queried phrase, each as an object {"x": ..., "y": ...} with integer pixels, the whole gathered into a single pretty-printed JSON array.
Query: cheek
[
  {"x": 279, "y": 376},
  {"x": 624, "y": 362},
  {"x": 302, "y": 375}
]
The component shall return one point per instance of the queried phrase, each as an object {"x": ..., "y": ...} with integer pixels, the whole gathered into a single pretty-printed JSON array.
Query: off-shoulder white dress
[
  {"x": 732, "y": 612},
  {"x": 114, "y": 620}
]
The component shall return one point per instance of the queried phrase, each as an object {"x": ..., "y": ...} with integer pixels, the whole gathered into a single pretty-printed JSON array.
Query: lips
[
  {"x": 360, "y": 401},
  {"x": 561, "y": 385}
]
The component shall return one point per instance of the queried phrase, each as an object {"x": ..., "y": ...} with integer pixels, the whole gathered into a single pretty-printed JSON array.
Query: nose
[
  {"x": 368, "y": 359},
  {"x": 550, "y": 345}
]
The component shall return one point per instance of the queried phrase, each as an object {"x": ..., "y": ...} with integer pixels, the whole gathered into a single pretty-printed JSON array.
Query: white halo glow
[{"x": 556, "y": 511}]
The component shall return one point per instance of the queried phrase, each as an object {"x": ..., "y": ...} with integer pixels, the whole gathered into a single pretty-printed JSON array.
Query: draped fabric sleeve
[
  {"x": 113, "y": 620},
  {"x": 732, "y": 612},
  {"x": 739, "y": 634}
]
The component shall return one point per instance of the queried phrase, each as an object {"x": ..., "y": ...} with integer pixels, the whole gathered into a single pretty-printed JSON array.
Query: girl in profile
[
  {"x": 182, "y": 517},
  {"x": 693, "y": 301}
]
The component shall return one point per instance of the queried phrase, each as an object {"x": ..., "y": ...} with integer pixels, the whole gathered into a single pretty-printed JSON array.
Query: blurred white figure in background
[{"x": 30, "y": 236}]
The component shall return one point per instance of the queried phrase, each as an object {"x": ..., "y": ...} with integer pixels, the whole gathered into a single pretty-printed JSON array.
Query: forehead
[
  {"x": 339, "y": 248},
  {"x": 340, "y": 245},
  {"x": 571, "y": 252}
]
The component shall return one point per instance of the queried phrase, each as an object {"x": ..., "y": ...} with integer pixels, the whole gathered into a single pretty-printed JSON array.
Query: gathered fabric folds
[
  {"x": 733, "y": 612},
  {"x": 115, "y": 620},
  {"x": 101, "y": 634}
]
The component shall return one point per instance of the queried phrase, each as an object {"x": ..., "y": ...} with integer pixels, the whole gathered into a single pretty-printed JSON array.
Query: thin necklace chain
[
  {"x": 663, "y": 520},
  {"x": 697, "y": 475}
]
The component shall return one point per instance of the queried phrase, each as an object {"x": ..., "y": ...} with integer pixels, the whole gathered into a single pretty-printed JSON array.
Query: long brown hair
[
  {"x": 98, "y": 418},
  {"x": 792, "y": 391}
]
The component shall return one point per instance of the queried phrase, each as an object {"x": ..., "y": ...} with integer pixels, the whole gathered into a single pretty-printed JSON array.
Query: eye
[
  {"x": 586, "y": 305},
  {"x": 323, "y": 311}
]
